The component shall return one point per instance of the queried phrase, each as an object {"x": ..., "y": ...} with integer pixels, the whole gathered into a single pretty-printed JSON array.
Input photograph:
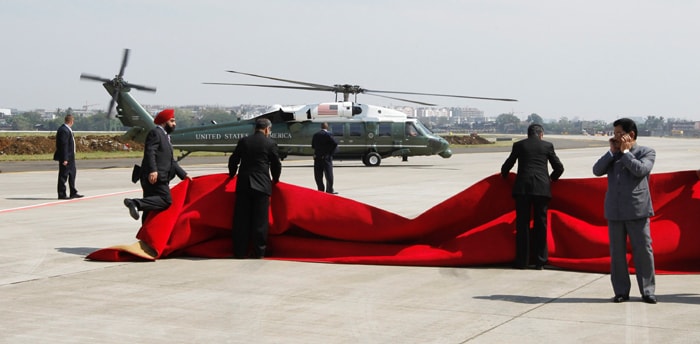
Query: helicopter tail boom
[{"x": 131, "y": 114}]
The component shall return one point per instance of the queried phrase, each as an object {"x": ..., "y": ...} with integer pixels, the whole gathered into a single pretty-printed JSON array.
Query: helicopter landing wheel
[{"x": 372, "y": 159}]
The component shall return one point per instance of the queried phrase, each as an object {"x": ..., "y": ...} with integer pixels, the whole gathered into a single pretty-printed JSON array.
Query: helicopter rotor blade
[
  {"x": 347, "y": 89},
  {"x": 125, "y": 59},
  {"x": 401, "y": 99},
  {"x": 112, "y": 102},
  {"x": 324, "y": 87},
  {"x": 93, "y": 77},
  {"x": 269, "y": 86},
  {"x": 140, "y": 87},
  {"x": 442, "y": 95}
]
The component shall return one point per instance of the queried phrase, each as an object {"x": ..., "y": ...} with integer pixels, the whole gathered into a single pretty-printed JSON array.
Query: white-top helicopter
[{"x": 365, "y": 132}]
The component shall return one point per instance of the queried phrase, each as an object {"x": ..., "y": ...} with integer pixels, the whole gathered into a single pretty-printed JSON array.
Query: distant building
[
  {"x": 462, "y": 115},
  {"x": 5, "y": 112},
  {"x": 683, "y": 128}
]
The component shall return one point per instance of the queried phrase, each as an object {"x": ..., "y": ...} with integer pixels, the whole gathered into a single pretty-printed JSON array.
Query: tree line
[
  {"x": 186, "y": 118},
  {"x": 32, "y": 120},
  {"x": 651, "y": 125}
]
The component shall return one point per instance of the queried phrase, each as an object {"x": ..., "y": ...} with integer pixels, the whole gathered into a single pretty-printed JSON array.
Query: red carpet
[{"x": 474, "y": 227}]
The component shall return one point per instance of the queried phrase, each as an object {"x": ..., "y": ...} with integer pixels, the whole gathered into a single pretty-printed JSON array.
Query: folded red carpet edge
[{"x": 474, "y": 227}]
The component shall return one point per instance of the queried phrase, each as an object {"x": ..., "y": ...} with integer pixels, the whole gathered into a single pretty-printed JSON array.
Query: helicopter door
[
  {"x": 384, "y": 138},
  {"x": 411, "y": 131},
  {"x": 413, "y": 140},
  {"x": 357, "y": 136}
]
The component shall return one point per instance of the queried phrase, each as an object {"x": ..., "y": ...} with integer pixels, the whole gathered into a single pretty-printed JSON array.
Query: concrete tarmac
[{"x": 50, "y": 294}]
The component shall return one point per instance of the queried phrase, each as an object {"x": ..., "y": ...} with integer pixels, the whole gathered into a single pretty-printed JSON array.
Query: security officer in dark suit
[
  {"x": 324, "y": 146},
  {"x": 65, "y": 155},
  {"x": 258, "y": 158},
  {"x": 158, "y": 167},
  {"x": 532, "y": 193}
]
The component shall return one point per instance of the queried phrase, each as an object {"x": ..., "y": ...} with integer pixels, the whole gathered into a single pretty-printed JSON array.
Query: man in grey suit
[
  {"x": 532, "y": 192},
  {"x": 627, "y": 209},
  {"x": 260, "y": 167}
]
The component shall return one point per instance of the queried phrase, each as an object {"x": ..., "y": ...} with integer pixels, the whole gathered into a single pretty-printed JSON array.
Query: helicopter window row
[
  {"x": 354, "y": 129},
  {"x": 384, "y": 129}
]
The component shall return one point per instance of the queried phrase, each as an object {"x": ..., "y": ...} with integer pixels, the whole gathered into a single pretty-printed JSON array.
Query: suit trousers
[
  {"x": 66, "y": 173},
  {"x": 527, "y": 206},
  {"x": 640, "y": 239},
  {"x": 323, "y": 166},
  {"x": 155, "y": 197},
  {"x": 250, "y": 223}
]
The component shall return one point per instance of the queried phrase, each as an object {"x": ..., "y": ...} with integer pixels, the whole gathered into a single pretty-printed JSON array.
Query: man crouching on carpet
[
  {"x": 258, "y": 156},
  {"x": 158, "y": 167}
]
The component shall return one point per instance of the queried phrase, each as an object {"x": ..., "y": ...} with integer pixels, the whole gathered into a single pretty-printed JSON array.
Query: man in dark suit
[
  {"x": 324, "y": 146},
  {"x": 158, "y": 167},
  {"x": 628, "y": 208},
  {"x": 65, "y": 155},
  {"x": 258, "y": 158},
  {"x": 532, "y": 193}
]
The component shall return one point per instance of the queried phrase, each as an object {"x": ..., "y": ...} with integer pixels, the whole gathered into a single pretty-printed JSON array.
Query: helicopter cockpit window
[
  {"x": 357, "y": 129},
  {"x": 411, "y": 130},
  {"x": 384, "y": 129},
  {"x": 422, "y": 128}
]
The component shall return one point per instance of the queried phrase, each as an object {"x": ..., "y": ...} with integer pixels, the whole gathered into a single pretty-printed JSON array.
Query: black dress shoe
[
  {"x": 621, "y": 298},
  {"x": 77, "y": 196},
  {"x": 649, "y": 299},
  {"x": 539, "y": 267},
  {"x": 133, "y": 210},
  {"x": 332, "y": 192},
  {"x": 63, "y": 197}
]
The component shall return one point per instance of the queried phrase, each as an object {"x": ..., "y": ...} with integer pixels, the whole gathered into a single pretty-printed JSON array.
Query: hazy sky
[{"x": 592, "y": 59}]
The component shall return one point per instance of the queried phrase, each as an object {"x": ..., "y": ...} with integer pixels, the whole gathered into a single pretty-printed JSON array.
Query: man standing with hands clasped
[
  {"x": 324, "y": 146},
  {"x": 65, "y": 155},
  {"x": 532, "y": 192},
  {"x": 627, "y": 209}
]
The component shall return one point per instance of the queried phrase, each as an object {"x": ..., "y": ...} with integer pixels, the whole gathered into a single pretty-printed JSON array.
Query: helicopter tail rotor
[{"x": 117, "y": 85}]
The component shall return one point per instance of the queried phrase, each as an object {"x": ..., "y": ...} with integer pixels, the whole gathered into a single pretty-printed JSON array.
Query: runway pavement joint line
[
  {"x": 542, "y": 304},
  {"x": 63, "y": 201}
]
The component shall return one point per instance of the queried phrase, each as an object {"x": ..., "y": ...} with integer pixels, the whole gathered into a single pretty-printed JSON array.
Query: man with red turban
[{"x": 158, "y": 167}]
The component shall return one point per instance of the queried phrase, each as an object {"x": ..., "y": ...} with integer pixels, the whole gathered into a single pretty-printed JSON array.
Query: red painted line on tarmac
[{"x": 64, "y": 201}]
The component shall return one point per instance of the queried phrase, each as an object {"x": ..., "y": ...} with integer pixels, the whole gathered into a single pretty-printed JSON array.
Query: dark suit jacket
[
  {"x": 532, "y": 155},
  {"x": 158, "y": 157},
  {"x": 628, "y": 196},
  {"x": 258, "y": 158},
  {"x": 65, "y": 145},
  {"x": 323, "y": 144}
]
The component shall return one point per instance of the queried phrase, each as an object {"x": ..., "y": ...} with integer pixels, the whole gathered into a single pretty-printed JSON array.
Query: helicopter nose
[
  {"x": 445, "y": 150},
  {"x": 446, "y": 153},
  {"x": 441, "y": 147}
]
